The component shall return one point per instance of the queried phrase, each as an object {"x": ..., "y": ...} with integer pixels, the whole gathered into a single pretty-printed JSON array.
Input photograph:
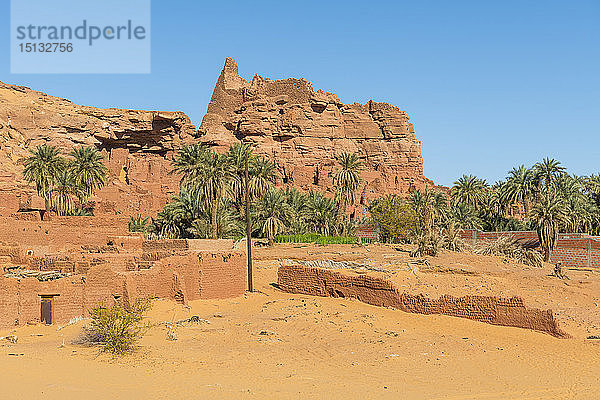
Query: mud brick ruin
[
  {"x": 74, "y": 264},
  {"x": 380, "y": 292}
]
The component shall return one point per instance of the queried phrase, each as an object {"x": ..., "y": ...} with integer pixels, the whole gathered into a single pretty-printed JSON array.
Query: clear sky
[{"x": 488, "y": 85}]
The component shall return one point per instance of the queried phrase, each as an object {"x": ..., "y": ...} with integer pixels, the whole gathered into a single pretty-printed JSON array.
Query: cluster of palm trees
[
  {"x": 544, "y": 197},
  {"x": 65, "y": 183},
  {"x": 211, "y": 201}
]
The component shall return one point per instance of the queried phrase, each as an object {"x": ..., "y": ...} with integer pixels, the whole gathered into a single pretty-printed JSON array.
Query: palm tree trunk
[{"x": 213, "y": 218}]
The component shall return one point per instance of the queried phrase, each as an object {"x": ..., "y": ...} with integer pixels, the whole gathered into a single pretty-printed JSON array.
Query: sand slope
[{"x": 274, "y": 345}]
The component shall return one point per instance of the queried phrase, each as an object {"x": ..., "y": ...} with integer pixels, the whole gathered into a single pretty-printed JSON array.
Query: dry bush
[
  {"x": 116, "y": 329},
  {"x": 428, "y": 244},
  {"x": 511, "y": 248}
]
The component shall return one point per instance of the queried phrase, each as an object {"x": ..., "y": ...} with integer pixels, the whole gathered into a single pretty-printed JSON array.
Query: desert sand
[{"x": 269, "y": 344}]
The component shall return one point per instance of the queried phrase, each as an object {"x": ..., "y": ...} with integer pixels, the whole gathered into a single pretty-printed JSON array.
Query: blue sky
[{"x": 488, "y": 85}]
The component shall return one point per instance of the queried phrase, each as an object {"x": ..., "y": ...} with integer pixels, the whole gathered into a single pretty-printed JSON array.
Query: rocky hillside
[
  {"x": 298, "y": 128},
  {"x": 136, "y": 145},
  {"x": 303, "y": 131}
]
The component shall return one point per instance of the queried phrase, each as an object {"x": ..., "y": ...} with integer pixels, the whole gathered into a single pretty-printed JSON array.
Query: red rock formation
[
  {"x": 137, "y": 146},
  {"x": 303, "y": 130},
  {"x": 298, "y": 128}
]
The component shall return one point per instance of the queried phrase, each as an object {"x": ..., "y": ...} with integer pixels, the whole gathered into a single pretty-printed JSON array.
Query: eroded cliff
[{"x": 303, "y": 130}]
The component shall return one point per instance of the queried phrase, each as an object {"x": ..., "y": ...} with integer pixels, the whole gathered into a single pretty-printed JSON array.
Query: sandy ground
[{"x": 271, "y": 344}]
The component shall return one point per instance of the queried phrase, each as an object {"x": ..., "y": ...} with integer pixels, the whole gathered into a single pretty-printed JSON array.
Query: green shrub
[
  {"x": 138, "y": 223},
  {"x": 118, "y": 328},
  {"x": 313, "y": 238}
]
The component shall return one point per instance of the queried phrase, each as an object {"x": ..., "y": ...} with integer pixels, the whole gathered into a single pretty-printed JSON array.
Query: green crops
[{"x": 313, "y": 238}]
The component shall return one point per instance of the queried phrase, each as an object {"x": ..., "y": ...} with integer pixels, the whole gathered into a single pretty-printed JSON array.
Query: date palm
[
  {"x": 87, "y": 171},
  {"x": 212, "y": 179},
  {"x": 189, "y": 161},
  {"x": 519, "y": 188},
  {"x": 262, "y": 176},
  {"x": 41, "y": 168},
  {"x": 547, "y": 172},
  {"x": 237, "y": 155},
  {"x": 320, "y": 213},
  {"x": 469, "y": 190},
  {"x": 548, "y": 214},
  {"x": 273, "y": 214},
  {"x": 63, "y": 190},
  {"x": 346, "y": 181}
]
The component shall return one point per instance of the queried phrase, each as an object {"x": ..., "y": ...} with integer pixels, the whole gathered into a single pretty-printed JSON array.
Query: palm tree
[
  {"x": 274, "y": 214},
  {"x": 519, "y": 188},
  {"x": 87, "y": 170},
  {"x": 346, "y": 181},
  {"x": 262, "y": 176},
  {"x": 463, "y": 216},
  {"x": 297, "y": 202},
  {"x": 212, "y": 178},
  {"x": 422, "y": 203},
  {"x": 63, "y": 190},
  {"x": 237, "y": 155},
  {"x": 548, "y": 171},
  {"x": 320, "y": 213},
  {"x": 189, "y": 160},
  {"x": 547, "y": 215},
  {"x": 469, "y": 190},
  {"x": 41, "y": 168}
]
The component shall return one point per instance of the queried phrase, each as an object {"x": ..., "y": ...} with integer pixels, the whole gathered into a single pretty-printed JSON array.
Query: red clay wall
[
  {"x": 197, "y": 275},
  {"x": 60, "y": 232},
  {"x": 380, "y": 292},
  {"x": 572, "y": 249}
]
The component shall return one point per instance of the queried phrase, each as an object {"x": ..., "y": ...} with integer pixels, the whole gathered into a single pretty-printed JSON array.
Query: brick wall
[
  {"x": 196, "y": 275},
  {"x": 380, "y": 292},
  {"x": 576, "y": 250}
]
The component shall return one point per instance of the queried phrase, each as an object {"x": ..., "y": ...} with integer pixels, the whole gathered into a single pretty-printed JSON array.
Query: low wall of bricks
[
  {"x": 381, "y": 292},
  {"x": 575, "y": 250},
  {"x": 193, "y": 276}
]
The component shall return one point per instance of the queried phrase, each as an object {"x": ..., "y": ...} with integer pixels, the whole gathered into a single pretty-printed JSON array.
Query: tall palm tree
[
  {"x": 469, "y": 190},
  {"x": 63, "y": 190},
  {"x": 87, "y": 170},
  {"x": 262, "y": 176},
  {"x": 547, "y": 215},
  {"x": 237, "y": 154},
  {"x": 519, "y": 188},
  {"x": 346, "y": 181},
  {"x": 41, "y": 168},
  {"x": 320, "y": 213},
  {"x": 274, "y": 214},
  {"x": 547, "y": 172},
  {"x": 212, "y": 179},
  {"x": 189, "y": 161}
]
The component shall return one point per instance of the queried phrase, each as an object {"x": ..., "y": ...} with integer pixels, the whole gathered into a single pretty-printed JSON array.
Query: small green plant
[
  {"x": 138, "y": 223},
  {"x": 313, "y": 238},
  {"x": 117, "y": 329}
]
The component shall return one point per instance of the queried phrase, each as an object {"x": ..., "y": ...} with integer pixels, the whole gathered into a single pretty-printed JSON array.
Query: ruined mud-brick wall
[
  {"x": 380, "y": 292},
  {"x": 302, "y": 131},
  {"x": 577, "y": 250},
  {"x": 197, "y": 275},
  {"x": 137, "y": 147},
  {"x": 42, "y": 237}
]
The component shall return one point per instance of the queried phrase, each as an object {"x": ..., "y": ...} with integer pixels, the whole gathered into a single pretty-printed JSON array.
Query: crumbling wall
[
  {"x": 193, "y": 276},
  {"x": 572, "y": 249},
  {"x": 380, "y": 292}
]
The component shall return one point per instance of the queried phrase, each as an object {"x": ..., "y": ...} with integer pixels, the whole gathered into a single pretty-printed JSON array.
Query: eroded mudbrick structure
[
  {"x": 56, "y": 270},
  {"x": 380, "y": 292}
]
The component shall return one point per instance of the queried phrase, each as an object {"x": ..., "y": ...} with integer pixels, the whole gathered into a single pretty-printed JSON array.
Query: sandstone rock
[
  {"x": 303, "y": 131},
  {"x": 139, "y": 144}
]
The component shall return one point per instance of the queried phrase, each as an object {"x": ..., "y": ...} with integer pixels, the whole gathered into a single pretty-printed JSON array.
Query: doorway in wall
[{"x": 47, "y": 308}]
